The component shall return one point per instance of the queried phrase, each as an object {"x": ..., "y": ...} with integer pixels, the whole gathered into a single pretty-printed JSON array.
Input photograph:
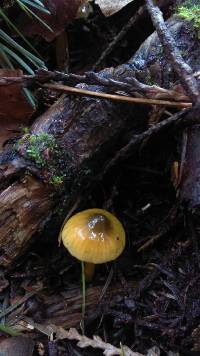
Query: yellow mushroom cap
[{"x": 94, "y": 236}]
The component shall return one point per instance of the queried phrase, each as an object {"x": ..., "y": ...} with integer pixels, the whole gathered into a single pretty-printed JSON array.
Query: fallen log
[
  {"x": 65, "y": 309},
  {"x": 66, "y": 147}
]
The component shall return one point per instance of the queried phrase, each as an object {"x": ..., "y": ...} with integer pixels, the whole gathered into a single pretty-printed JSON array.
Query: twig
[
  {"x": 120, "y": 35},
  {"x": 113, "y": 81},
  {"x": 169, "y": 222},
  {"x": 116, "y": 97},
  {"x": 105, "y": 287},
  {"x": 70, "y": 212},
  {"x": 123, "y": 152},
  {"x": 20, "y": 302},
  {"x": 183, "y": 70}
]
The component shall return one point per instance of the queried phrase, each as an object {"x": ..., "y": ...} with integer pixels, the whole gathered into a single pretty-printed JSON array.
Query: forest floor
[{"x": 148, "y": 299}]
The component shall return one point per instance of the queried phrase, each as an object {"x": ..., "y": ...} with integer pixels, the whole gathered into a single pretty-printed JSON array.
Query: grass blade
[
  {"x": 36, "y": 6},
  {"x": 33, "y": 59},
  {"x": 6, "y": 61},
  {"x": 8, "y": 330},
  {"x": 17, "y": 58},
  {"x": 30, "y": 97},
  {"x": 3, "y": 15},
  {"x": 30, "y": 12}
]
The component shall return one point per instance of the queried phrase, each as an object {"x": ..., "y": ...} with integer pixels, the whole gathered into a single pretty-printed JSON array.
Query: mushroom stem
[
  {"x": 82, "y": 323},
  {"x": 89, "y": 271}
]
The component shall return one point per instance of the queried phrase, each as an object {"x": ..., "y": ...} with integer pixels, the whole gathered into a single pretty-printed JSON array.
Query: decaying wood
[
  {"x": 65, "y": 310},
  {"x": 24, "y": 206}
]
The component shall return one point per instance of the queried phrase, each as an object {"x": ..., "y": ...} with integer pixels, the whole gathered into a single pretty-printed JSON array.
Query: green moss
[
  {"x": 56, "y": 180},
  {"x": 46, "y": 154},
  {"x": 39, "y": 147},
  {"x": 190, "y": 11},
  {"x": 25, "y": 130}
]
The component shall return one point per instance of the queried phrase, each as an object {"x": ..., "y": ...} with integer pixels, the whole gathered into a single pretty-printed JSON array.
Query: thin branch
[
  {"x": 124, "y": 151},
  {"x": 183, "y": 70},
  {"x": 120, "y": 35},
  {"x": 128, "y": 85},
  {"x": 17, "y": 304},
  {"x": 115, "y": 97}
]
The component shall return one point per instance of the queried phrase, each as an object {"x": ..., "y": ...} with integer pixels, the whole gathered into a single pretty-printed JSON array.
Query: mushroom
[{"x": 93, "y": 236}]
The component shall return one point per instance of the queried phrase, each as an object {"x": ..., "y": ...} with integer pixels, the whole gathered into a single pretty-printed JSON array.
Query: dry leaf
[
  {"x": 83, "y": 341},
  {"x": 15, "y": 109},
  {"x": 62, "y": 13},
  {"x": 110, "y": 7},
  {"x": 96, "y": 343}
]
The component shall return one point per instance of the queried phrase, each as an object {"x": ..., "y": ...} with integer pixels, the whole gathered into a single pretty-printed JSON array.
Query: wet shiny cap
[{"x": 94, "y": 236}]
